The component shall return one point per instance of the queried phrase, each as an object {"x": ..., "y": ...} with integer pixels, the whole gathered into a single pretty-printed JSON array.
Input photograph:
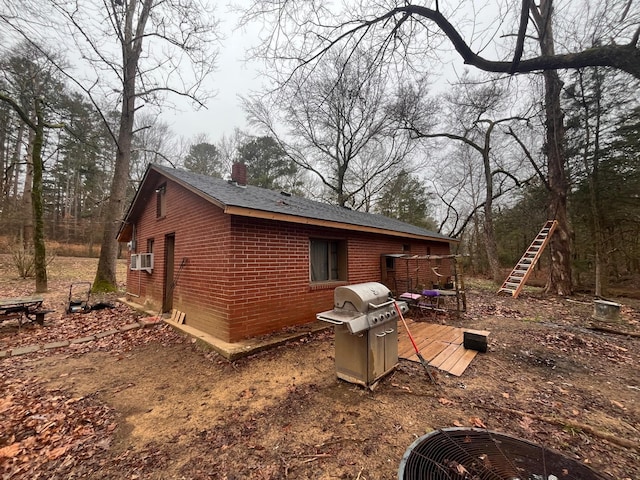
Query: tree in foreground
[{"x": 405, "y": 28}]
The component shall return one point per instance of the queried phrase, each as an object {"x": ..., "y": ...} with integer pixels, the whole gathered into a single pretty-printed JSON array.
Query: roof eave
[
  {"x": 254, "y": 213},
  {"x": 193, "y": 189}
]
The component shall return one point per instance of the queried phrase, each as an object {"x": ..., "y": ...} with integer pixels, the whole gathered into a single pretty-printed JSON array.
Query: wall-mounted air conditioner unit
[
  {"x": 146, "y": 262},
  {"x": 142, "y": 261}
]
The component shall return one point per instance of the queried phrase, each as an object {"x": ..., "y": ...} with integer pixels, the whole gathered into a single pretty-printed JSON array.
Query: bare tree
[
  {"x": 560, "y": 277},
  {"x": 472, "y": 111},
  {"x": 403, "y": 28},
  {"x": 228, "y": 147},
  {"x": 407, "y": 34},
  {"x": 341, "y": 123},
  {"x": 135, "y": 53},
  {"x": 153, "y": 142}
]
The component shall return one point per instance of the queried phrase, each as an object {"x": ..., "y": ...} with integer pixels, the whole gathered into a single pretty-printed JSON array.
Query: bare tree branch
[
  {"x": 522, "y": 31},
  {"x": 541, "y": 175},
  {"x": 625, "y": 57}
]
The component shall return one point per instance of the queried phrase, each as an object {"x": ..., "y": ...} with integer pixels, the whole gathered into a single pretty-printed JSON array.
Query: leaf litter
[{"x": 149, "y": 403}]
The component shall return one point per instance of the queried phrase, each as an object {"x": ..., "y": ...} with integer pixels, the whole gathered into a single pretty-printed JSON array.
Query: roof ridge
[{"x": 251, "y": 197}]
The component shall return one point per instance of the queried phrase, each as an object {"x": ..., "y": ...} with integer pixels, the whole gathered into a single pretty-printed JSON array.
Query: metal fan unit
[{"x": 476, "y": 454}]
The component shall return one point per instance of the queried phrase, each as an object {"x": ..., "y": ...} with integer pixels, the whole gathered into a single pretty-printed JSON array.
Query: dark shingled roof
[{"x": 232, "y": 195}]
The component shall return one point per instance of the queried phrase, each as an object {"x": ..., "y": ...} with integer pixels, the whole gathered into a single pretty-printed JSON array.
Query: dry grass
[{"x": 61, "y": 249}]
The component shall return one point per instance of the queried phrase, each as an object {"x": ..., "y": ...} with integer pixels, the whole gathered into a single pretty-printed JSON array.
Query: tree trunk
[
  {"x": 478, "y": 250},
  {"x": 27, "y": 195},
  {"x": 560, "y": 281},
  {"x": 106, "y": 273},
  {"x": 13, "y": 175},
  {"x": 488, "y": 230},
  {"x": 491, "y": 247},
  {"x": 10, "y": 158},
  {"x": 40, "y": 254},
  {"x": 131, "y": 45},
  {"x": 4, "y": 129},
  {"x": 593, "y": 177}
]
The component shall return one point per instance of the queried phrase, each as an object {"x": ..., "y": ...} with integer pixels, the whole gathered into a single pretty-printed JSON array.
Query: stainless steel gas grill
[{"x": 366, "y": 331}]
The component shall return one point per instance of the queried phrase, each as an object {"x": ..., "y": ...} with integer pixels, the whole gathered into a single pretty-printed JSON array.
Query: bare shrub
[{"x": 25, "y": 262}]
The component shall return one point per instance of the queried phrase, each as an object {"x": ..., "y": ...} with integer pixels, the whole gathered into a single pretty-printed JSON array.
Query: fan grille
[{"x": 476, "y": 454}]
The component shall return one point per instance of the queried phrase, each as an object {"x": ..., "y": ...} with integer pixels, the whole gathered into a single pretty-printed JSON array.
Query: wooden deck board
[
  {"x": 423, "y": 329},
  {"x": 433, "y": 350},
  {"x": 451, "y": 335},
  {"x": 440, "y": 345},
  {"x": 462, "y": 364},
  {"x": 440, "y": 332},
  {"x": 424, "y": 343},
  {"x": 459, "y": 337},
  {"x": 439, "y": 359},
  {"x": 450, "y": 362}
]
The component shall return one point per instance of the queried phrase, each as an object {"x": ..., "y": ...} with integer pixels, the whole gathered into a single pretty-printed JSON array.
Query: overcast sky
[{"x": 234, "y": 76}]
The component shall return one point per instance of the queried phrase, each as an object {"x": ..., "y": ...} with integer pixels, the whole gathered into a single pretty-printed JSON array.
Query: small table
[
  {"x": 26, "y": 306},
  {"x": 410, "y": 298},
  {"x": 427, "y": 301}
]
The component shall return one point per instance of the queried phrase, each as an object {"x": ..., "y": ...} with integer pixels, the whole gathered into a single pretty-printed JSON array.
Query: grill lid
[
  {"x": 362, "y": 306},
  {"x": 359, "y": 297}
]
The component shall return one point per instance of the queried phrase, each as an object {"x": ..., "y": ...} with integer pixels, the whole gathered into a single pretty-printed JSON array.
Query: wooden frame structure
[{"x": 441, "y": 274}]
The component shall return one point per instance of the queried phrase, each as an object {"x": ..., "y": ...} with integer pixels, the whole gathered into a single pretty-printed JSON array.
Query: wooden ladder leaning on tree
[{"x": 518, "y": 277}]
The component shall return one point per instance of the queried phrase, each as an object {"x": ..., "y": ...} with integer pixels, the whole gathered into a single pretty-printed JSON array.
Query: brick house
[{"x": 242, "y": 261}]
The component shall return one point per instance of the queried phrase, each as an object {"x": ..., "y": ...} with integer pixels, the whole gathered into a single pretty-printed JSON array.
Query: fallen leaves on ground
[
  {"x": 41, "y": 426},
  {"x": 542, "y": 363}
]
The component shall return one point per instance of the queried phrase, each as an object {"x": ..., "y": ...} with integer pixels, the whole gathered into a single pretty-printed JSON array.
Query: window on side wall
[
  {"x": 161, "y": 201},
  {"x": 327, "y": 260},
  {"x": 390, "y": 263}
]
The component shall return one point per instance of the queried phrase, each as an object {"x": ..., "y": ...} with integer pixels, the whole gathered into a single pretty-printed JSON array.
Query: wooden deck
[{"x": 440, "y": 345}]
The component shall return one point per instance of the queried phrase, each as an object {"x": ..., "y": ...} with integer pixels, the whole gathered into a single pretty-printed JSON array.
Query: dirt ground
[{"x": 152, "y": 404}]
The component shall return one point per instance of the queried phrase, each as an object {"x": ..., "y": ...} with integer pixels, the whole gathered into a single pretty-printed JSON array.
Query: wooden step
[{"x": 516, "y": 280}]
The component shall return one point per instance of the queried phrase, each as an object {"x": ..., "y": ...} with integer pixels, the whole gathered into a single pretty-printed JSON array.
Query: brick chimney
[{"x": 239, "y": 173}]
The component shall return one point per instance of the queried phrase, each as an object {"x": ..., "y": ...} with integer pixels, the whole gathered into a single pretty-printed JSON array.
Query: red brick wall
[
  {"x": 271, "y": 265},
  {"x": 245, "y": 276},
  {"x": 202, "y": 236}
]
